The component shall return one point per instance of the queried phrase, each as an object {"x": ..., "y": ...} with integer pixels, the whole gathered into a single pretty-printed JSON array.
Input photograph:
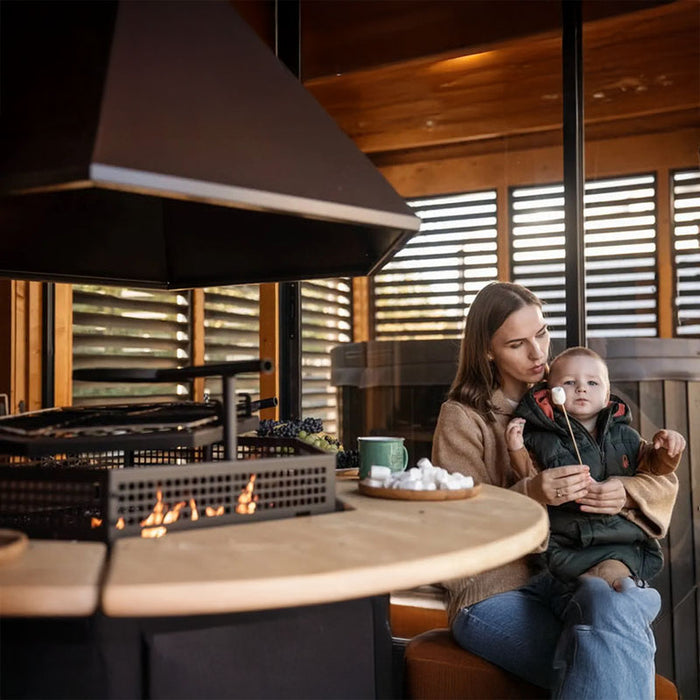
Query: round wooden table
[{"x": 371, "y": 547}]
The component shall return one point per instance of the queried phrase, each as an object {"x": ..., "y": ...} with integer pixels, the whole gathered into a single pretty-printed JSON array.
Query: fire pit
[{"x": 113, "y": 471}]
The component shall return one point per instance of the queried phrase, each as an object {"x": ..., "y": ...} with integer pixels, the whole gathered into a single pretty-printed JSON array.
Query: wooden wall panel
[
  {"x": 462, "y": 172},
  {"x": 197, "y": 340},
  {"x": 6, "y": 292},
  {"x": 676, "y": 404},
  {"x": 664, "y": 254},
  {"x": 681, "y": 561},
  {"x": 63, "y": 345},
  {"x": 20, "y": 344},
  {"x": 361, "y": 305}
]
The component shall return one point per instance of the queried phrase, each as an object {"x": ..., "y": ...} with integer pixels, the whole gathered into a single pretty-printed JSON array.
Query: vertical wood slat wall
[{"x": 672, "y": 404}]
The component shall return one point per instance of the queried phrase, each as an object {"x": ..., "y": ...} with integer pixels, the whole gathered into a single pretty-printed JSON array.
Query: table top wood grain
[{"x": 372, "y": 547}]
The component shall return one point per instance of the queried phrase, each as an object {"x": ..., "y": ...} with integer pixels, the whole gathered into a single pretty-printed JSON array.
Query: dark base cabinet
[{"x": 339, "y": 650}]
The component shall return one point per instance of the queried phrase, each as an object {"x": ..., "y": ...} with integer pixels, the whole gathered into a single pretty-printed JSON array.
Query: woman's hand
[
  {"x": 560, "y": 485},
  {"x": 604, "y": 497}
]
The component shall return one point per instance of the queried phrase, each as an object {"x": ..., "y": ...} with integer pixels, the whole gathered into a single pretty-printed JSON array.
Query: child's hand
[
  {"x": 514, "y": 434},
  {"x": 673, "y": 442}
]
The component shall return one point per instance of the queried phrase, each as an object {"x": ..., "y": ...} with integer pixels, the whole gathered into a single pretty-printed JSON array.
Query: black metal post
[
  {"x": 574, "y": 177},
  {"x": 230, "y": 419},
  {"x": 288, "y": 50},
  {"x": 48, "y": 352}
]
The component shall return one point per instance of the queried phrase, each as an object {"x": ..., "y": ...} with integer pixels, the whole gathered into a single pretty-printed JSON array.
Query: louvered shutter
[
  {"x": 425, "y": 290},
  {"x": 620, "y": 253},
  {"x": 685, "y": 197},
  {"x": 231, "y": 333},
  {"x": 130, "y": 328},
  {"x": 326, "y": 316}
]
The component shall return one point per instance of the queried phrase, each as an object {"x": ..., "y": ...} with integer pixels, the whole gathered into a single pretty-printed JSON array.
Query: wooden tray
[
  {"x": 404, "y": 495},
  {"x": 12, "y": 544}
]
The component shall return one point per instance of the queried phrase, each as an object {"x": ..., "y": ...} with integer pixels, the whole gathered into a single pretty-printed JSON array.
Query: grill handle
[{"x": 169, "y": 374}]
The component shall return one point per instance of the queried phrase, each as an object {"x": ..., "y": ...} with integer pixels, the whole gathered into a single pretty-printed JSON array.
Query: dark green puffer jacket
[{"x": 579, "y": 540}]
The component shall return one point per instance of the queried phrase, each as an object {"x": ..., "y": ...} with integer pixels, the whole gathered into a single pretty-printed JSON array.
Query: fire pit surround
[{"x": 115, "y": 471}]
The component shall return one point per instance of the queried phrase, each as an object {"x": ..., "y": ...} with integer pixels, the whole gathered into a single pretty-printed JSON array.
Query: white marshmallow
[
  {"x": 424, "y": 478},
  {"x": 558, "y": 395},
  {"x": 377, "y": 472}
]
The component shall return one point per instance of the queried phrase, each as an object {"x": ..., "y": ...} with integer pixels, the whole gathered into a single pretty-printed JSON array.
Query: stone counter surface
[{"x": 372, "y": 547}]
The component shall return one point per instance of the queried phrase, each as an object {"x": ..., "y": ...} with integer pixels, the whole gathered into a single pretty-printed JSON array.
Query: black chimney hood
[{"x": 160, "y": 143}]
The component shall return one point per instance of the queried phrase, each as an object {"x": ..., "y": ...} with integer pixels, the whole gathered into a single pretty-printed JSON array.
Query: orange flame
[
  {"x": 120, "y": 524},
  {"x": 162, "y": 514},
  {"x": 153, "y": 532},
  {"x": 246, "y": 501},
  {"x": 95, "y": 522},
  {"x": 156, "y": 515}
]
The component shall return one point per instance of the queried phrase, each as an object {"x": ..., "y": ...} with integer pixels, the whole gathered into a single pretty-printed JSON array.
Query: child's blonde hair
[{"x": 579, "y": 351}]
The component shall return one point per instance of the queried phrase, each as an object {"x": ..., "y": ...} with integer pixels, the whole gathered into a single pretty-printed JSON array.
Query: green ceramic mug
[{"x": 382, "y": 451}]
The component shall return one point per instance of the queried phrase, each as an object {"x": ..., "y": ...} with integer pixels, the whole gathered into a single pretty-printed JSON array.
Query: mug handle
[{"x": 405, "y": 456}]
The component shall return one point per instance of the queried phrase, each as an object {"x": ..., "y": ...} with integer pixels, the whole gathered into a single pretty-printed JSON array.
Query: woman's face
[{"x": 519, "y": 349}]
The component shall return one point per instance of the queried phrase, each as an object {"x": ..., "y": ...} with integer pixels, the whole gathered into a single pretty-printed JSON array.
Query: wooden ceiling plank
[{"x": 639, "y": 65}]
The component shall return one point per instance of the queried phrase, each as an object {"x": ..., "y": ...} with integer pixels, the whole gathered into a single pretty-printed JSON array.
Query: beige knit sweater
[{"x": 465, "y": 441}]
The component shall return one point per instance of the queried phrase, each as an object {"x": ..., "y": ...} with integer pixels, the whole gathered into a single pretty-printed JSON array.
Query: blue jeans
[{"x": 579, "y": 641}]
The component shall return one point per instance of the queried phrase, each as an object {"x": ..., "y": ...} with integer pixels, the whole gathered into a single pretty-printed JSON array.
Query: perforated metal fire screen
[{"x": 98, "y": 503}]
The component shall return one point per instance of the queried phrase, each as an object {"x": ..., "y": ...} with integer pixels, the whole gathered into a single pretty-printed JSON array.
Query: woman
[{"x": 583, "y": 641}]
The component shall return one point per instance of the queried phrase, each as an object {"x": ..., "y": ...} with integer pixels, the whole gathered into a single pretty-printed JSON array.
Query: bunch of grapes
[
  {"x": 290, "y": 428},
  {"x": 347, "y": 459},
  {"x": 310, "y": 431}
]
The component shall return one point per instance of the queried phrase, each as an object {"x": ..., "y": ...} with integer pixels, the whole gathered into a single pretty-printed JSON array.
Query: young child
[{"x": 609, "y": 546}]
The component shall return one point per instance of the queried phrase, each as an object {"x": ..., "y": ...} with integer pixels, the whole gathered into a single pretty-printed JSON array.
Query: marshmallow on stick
[{"x": 559, "y": 399}]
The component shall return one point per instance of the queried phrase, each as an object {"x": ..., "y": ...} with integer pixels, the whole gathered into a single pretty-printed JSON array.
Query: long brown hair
[{"x": 476, "y": 377}]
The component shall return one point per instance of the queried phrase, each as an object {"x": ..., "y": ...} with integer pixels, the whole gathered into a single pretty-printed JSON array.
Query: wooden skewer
[
  {"x": 571, "y": 432},
  {"x": 559, "y": 399}
]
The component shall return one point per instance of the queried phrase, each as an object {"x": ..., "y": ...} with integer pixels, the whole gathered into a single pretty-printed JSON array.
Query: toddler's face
[{"x": 585, "y": 381}]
